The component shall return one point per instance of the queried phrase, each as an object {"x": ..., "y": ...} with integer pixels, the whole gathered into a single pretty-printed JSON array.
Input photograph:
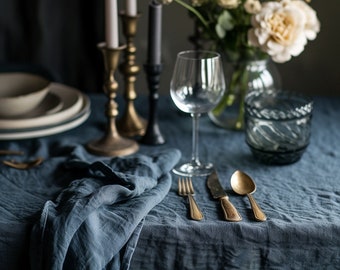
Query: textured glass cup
[{"x": 278, "y": 125}]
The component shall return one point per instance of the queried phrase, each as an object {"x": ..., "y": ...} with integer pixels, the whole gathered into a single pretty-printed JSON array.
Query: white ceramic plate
[
  {"x": 34, "y": 132},
  {"x": 70, "y": 99}
]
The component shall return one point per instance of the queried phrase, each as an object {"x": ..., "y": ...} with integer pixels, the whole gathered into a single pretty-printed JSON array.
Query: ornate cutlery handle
[
  {"x": 195, "y": 212},
  {"x": 230, "y": 212},
  {"x": 258, "y": 213}
]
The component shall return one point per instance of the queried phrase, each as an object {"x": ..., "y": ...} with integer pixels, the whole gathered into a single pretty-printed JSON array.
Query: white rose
[
  {"x": 312, "y": 25},
  {"x": 252, "y": 6},
  {"x": 229, "y": 4},
  {"x": 164, "y": 2},
  {"x": 279, "y": 30}
]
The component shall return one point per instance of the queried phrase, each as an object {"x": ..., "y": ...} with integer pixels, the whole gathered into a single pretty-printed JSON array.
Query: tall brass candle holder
[
  {"x": 153, "y": 135},
  {"x": 130, "y": 124},
  {"x": 111, "y": 144}
]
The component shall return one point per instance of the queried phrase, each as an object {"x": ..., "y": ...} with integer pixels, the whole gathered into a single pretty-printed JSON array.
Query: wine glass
[{"x": 197, "y": 85}]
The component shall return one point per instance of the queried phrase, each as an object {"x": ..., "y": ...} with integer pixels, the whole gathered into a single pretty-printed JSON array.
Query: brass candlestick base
[
  {"x": 111, "y": 144},
  {"x": 130, "y": 124}
]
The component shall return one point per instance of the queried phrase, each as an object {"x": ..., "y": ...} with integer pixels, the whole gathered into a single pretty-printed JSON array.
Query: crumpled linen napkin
[{"x": 95, "y": 222}]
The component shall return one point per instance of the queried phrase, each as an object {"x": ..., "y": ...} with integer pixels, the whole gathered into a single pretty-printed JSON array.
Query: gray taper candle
[{"x": 155, "y": 33}]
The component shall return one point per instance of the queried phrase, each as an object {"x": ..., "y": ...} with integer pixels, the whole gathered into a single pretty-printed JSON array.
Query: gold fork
[{"x": 185, "y": 188}]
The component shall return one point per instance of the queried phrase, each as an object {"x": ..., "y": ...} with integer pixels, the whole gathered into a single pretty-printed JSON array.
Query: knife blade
[{"x": 217, "y": 191}]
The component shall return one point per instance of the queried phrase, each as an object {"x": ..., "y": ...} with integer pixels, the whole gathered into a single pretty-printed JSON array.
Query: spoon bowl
[{"x": 243, "y": 184}]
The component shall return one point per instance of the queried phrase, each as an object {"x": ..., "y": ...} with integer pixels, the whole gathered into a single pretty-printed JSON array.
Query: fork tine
[
  {"x": 180, "y": 186},
  {"x": 186, "y": 186},
  {"x": 191, "y": 187}
]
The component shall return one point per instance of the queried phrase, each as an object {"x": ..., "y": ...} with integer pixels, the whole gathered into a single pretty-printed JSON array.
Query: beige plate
[
  {"x": 70, "y": 123},
  {"x": 69, "y": 99}
]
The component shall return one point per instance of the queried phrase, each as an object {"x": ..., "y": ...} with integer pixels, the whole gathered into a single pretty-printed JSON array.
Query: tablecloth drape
[
  {"x": 95, "y": 221},
  {"x": 301, "y": 200}
]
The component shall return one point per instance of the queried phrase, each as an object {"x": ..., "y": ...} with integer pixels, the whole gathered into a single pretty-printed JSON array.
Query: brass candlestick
[
  {"x": 130, "y": 124},
  {"x": 111, "y": 144}
]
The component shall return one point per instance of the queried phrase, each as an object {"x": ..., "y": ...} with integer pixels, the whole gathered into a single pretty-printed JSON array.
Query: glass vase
[{"x": 241, "y": 78}]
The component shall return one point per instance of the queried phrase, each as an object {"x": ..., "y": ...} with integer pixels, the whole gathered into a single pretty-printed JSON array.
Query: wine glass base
[{"x": 189, "y": 169}]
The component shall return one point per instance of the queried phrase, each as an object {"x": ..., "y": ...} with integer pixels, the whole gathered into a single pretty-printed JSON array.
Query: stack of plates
[{"x": 62, "y": 109}]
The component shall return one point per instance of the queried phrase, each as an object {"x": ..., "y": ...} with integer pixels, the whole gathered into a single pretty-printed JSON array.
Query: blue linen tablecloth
[{"x": 301, "y": 200}]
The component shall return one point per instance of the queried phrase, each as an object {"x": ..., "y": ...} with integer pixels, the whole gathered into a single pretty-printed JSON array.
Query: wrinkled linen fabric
[
  {"x": 301, "y": 200},
  {"x": 95, "y": 222}
]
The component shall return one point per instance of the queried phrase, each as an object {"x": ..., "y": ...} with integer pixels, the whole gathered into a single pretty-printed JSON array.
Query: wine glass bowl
[
  {"x": 189, "y": 103},
  {"x": 196, "y": 82},
  {"x": 197, "y": 85}
]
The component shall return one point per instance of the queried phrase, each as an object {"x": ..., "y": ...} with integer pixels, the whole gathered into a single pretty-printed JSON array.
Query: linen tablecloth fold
[{"x": 95, "y": 222}]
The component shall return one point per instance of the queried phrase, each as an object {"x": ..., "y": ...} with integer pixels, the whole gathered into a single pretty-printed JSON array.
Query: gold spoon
[
  {"x": 23, "y": 165},
  {"x": 242, "y": 184}
]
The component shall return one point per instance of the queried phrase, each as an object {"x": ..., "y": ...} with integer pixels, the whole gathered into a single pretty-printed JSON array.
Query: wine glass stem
[{"x": 195, "y": 126}]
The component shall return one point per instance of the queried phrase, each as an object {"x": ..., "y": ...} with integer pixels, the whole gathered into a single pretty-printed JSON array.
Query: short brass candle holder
[
  {"x": 130, "y": 124},
  {"x": 111, "y": 144}
]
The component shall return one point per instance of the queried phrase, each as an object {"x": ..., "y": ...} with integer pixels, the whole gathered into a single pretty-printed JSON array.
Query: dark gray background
[
  {"x": 61, "y": 36},
  {"x": 315, "y": 71}
]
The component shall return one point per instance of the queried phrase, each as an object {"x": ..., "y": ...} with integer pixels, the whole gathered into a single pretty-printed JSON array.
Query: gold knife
[{"x": 217, "y": 191}]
